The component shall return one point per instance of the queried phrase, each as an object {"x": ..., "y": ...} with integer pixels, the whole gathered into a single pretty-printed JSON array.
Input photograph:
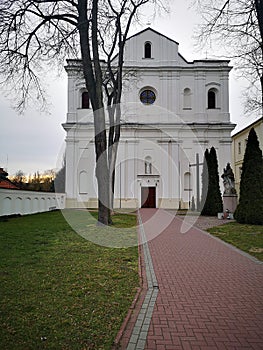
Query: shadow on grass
[{"x": 123, "y": 233}]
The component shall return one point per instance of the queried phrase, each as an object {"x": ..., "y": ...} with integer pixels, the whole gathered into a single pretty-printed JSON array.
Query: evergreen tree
[
  {"x": 250, "y": 207},
  {"x": 204, "y": 183},
  {"x": 214, "y": 184},
  {"x": 212, "y": 202}
]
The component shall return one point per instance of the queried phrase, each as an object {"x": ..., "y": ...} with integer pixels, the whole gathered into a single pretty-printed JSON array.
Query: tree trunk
[
  {"x": 112, "y": 166},
  {"x": 102, "y": 170},
  {"x": 114, "y": 137},
  {"x": 259, "y": 12},
  {"x": 93, "y": 79}
]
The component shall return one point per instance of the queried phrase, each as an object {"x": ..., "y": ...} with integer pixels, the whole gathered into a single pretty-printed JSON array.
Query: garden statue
[{"x": 229, "y": 180}]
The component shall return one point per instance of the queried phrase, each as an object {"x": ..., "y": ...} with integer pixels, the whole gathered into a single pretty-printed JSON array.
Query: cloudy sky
[{"x": 34, "y": 141}]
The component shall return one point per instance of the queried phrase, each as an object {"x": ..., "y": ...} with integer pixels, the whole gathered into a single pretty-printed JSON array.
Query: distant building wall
[
  {"x": 239, "y": 143},
  {"x": 29, "y": 202}
]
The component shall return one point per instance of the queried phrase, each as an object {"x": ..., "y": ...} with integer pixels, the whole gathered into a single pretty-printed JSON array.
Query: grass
[
  {"x": 60, "y": 291},
  {"x": 248, "y": 238}
]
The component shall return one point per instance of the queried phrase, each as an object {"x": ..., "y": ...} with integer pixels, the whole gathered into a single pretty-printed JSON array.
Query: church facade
[{"x": 172, "y": 110}]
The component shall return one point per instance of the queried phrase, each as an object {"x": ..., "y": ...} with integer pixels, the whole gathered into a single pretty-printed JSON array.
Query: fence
[{"x": 29, "y": 202}]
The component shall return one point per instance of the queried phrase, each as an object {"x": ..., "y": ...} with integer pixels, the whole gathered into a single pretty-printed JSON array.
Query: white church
[{"x": 172, "y": 110}]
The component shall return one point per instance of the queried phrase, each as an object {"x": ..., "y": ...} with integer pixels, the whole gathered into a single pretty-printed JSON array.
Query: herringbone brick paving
[{"x": 210, "y": 296}]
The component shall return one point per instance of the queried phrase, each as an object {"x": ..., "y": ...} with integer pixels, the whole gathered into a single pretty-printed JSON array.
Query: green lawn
[
  {"x": 248, "y": 238},
  {"x": 60, "y": 291}
]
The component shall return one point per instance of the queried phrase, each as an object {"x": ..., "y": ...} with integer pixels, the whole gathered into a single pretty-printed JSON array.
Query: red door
[{"x": 148, "y": 197}]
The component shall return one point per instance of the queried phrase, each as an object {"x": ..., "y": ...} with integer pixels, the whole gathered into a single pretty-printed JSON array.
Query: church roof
[
  {"x": 170, "y": 51},
  {"x": 73, "y": 64},
  {"x": 154, "y": 31}
]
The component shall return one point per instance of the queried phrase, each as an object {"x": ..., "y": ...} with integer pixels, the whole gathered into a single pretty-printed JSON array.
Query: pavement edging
[
  {"x": 140, "y": 330},
  {"x": 229, "y": 245}
]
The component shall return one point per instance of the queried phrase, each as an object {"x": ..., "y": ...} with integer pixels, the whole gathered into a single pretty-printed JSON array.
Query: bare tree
[
  {"x": 19, "y": 178},
  {"x": 40, "y": 32},
  {"x": 237, "y": 26},
  {"x": 41, "y": 181}
]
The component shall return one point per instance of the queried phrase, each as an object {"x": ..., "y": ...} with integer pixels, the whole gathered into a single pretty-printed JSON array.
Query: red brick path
[{"x": 210, "y": 296}]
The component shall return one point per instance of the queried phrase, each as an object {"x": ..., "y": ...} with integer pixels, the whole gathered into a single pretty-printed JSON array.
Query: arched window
[
  {"x": 148, "y": 165},
  {"x": 147, "y": 50},
  {"x": 187, "y": 98},
  {"x": 85, "y": 100},
  {"x": 211, "y": 99}
]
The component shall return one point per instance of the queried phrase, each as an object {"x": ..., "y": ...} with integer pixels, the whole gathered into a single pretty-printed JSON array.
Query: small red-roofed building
[{"x": 5, "y": 182}]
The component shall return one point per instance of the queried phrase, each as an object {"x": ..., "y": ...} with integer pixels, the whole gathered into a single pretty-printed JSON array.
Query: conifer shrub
[
  {"x": 211, "y": 199},
  {"x": 250, "y": 206}
]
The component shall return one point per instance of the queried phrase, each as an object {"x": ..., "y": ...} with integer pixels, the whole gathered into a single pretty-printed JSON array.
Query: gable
[{"x": 164, "y": 51}]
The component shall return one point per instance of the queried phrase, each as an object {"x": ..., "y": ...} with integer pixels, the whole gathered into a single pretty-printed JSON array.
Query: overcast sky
[{"x": 35, "y": 142}]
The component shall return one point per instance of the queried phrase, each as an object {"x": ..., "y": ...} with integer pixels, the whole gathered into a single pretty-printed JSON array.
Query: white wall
[
  {"x": 171, "y": 131},
  {"x": 29, "y": 202}
]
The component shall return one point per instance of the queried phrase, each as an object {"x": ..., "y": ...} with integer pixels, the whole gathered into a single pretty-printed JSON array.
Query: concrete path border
[{"x": 141, "y": 327}]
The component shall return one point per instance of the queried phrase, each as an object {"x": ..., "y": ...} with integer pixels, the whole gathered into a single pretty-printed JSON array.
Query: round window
[{"x": 147, "y": 97}]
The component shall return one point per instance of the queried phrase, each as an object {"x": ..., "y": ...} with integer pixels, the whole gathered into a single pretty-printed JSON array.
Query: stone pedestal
[{"x": 229, "y": 202}]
